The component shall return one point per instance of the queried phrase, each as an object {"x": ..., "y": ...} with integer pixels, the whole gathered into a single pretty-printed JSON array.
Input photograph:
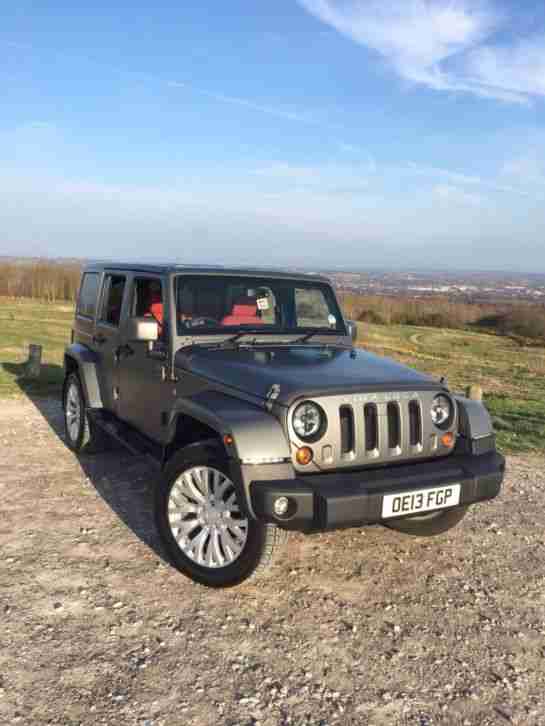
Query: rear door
[{"x": 107, "y": 337}]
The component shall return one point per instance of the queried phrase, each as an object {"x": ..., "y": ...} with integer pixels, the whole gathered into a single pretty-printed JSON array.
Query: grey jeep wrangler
[{"x": 246, "y": 390}]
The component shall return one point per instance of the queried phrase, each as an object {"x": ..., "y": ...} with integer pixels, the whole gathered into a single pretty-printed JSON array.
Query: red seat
[
  {"x": 155, "y": 309},
  {"x": 244, "y": 312}
]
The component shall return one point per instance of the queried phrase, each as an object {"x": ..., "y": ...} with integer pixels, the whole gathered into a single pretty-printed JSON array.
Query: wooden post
[
  {"x": 34, "y": 363},
  {"x": 475, "y": 392}
]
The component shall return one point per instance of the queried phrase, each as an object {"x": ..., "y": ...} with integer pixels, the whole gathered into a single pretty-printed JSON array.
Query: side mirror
[
  {"x": 352, "y": 330},
  {"x": 145, "y": 330}
]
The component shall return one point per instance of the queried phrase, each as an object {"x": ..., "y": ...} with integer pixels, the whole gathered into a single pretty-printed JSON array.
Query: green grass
[
  {"x": 29, "y": 321},
  {"x": 512, "y": 376}
]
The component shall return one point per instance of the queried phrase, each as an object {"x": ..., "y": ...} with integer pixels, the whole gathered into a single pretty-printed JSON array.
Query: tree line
[
  {"x": 55, "y": 282},
  {"x": 42, "y": 280},
  {"x": 526, "y": 320}
]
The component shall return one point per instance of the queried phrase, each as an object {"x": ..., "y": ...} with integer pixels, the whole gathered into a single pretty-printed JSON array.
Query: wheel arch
[
  {"x": 249, "y": 437},
  {"x": 83, "y": 361}
]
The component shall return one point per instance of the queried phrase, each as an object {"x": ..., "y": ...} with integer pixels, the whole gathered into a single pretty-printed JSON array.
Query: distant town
[{"x": 467, "y": 287}]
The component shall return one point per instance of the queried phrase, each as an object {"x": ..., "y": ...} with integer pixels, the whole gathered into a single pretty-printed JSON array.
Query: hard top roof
[{"x": 173, "y": 269}]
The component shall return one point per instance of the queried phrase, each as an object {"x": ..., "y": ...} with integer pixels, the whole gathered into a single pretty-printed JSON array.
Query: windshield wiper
[
  {"x": 226, "y": 342},
  {"x": 307, "y": 336}
]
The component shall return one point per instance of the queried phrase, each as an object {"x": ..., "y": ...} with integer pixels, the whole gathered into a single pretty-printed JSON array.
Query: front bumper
[{"x": 347, "y": 499}]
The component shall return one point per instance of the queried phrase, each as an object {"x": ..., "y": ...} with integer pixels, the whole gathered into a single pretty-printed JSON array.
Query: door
[
  {"x": 145, "y": 394},
  {"x": 107, "y": 337}
]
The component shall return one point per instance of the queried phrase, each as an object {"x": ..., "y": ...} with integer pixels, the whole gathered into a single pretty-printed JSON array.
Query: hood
[{"x": 301, "y": 371}]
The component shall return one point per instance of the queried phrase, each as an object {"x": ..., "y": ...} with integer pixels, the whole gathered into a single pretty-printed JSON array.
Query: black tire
[
  {"x": 428, "y": 525},
  {"x": 85, "y": 438},
  {"x": 262, "y": 541}
]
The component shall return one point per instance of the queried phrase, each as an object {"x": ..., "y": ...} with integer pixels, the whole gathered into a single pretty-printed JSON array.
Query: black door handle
[
  {"x": 100, "y": 339},
  {"x": 124, "y": 351}
]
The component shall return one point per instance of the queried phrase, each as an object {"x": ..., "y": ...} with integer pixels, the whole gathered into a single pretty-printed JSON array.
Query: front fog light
[{"x": 281, "y": 506}]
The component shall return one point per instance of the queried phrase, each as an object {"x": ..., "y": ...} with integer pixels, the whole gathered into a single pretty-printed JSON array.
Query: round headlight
[
  {"x": 309, "y": 421},
  {"x": 441, "y": 411}
]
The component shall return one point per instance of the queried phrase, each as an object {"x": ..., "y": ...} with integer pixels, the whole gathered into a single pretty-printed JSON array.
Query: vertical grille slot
[
  {"x": 370, "y": 415},
  {"x": 415, "y": 424},
  {"x": 394, "y": 425},
  {"x": 346, "y": 415}
]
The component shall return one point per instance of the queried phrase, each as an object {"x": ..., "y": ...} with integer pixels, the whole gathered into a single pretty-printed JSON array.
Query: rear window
[
  {"x": 88, "y": 294},
  {"x": 114, "y": 287}
]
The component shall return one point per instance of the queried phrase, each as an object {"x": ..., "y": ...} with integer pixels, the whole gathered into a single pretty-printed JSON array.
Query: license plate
[{"x": 420, "y": 500}]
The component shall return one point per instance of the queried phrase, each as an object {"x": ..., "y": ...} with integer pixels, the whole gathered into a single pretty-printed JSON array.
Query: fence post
[
  {"x": 34, "y": 362},
  {"x": 475, "y": 392}
]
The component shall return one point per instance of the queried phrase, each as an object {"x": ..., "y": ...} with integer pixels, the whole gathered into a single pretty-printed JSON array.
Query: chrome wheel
[
  {"x": 205, "y": 519},
  {"x": 73, "y": 412}
]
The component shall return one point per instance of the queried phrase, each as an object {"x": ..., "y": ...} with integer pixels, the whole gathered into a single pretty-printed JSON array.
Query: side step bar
[{"x": 128, "y": 437}]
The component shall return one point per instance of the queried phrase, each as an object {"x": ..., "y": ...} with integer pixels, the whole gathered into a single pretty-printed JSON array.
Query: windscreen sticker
[
  {"x": 262, "y": 303},
  {"x": 332, "y": 320}
]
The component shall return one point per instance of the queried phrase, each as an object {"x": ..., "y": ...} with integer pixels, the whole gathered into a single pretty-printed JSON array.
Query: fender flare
[
  {"x": 86, "y": 362},
  {"x": 257, "y": 434},
  {"x": 475, "y": 421},
  {"x": 260, "y": 448}
]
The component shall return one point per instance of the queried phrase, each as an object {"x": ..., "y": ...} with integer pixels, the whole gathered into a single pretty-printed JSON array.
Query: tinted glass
[
  {"x": 312, "y": 309},
  {"x": 217, "y": 303},
  {"x": 88, "y": 294},
  {"x": 114, "y": 287},
  {"x": 147, "y": 301}
]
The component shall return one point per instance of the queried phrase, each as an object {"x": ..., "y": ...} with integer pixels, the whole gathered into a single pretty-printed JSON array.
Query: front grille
[
  {"x": 376, "y": 428},
  {"x": 394, "y": 425},
  {"x": 347, "y": 429},
  {"x": 370, "y": 417},
  {"x": 415, "y": 424}
]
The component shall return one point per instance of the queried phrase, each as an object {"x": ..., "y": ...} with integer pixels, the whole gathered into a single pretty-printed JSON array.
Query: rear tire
[
  {"x": 428, "y": 525},
  {"x": 203, "y": 526},
  {"x": 81, "y": 434}
]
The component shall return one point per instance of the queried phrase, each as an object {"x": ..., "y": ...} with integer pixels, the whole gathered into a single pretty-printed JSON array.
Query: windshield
[{"x": 221, "y": 304}]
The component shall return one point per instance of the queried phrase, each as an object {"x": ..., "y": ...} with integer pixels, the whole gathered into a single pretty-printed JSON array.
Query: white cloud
[
  {"x": 526, "y": 170},
  {"x": 454, "y": 195},
  {"x": 323, "y": 179},
  {"x": 519, "y": 68},
  {"x": 283, "y": 113},
  {"x": 445, "y": 45}
]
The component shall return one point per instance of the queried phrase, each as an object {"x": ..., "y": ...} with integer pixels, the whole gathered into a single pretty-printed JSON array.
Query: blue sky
[{"x": 352, "y": 133}]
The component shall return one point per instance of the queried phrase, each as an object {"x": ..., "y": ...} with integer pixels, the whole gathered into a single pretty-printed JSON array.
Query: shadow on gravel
[{"x": 124, "y": 481}]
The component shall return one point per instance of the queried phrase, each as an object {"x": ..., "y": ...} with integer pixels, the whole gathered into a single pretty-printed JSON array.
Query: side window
[
  {"x": 147, "y": 301},
  {"x": 312, "y": 310},
  {"x": 114, "y": 287},
  {"x": 88, "y": 294}
]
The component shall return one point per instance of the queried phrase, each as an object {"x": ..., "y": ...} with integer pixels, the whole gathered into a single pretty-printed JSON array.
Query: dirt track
[{"x": 355, "y": 627}]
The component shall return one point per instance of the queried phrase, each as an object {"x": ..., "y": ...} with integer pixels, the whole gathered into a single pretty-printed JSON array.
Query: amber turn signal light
[
  {"x": 448, "y": 439},
  {"x": 228, "y": 440},
  {"x": 304, "y": 455}
]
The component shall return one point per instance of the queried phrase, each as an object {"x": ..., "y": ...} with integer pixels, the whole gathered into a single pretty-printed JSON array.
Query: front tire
[
  {"x": 428, "y": 525},
  {"x": 203, "y": 526}
]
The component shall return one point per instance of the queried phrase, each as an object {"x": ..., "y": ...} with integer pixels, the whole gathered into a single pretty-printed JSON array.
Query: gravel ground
[{"x": 354, "y": 627}]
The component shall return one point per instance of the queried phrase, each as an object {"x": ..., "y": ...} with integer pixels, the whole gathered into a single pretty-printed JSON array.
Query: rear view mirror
[
  {"x": 353, "y": 330},
  {"x": 142, "y": 329}
]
